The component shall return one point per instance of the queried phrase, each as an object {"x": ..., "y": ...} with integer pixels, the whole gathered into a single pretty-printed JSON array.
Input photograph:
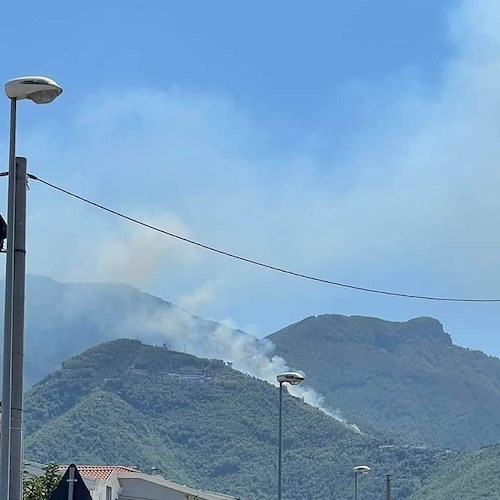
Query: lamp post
[
  {"x": 291, "y": 378},
  {"x": 359, "y": 469},
  {"x": 40, "y": 90}
]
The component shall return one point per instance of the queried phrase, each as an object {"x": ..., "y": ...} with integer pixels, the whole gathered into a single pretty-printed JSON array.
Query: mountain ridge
[{"x": 399, "y": 379}]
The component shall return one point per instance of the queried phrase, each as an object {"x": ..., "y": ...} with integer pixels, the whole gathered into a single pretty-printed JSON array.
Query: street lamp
[
  {"x": 359, "y": 469},
  {"x": 40, "y": 90},
  {"x": 291, "y": 378}
]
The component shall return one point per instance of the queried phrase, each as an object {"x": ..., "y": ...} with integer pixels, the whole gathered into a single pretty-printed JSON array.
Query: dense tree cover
[
  {"x": 403, "y": 380},
  {"x": 206, "y": 425},
  {"x": 466, "y": 476}
]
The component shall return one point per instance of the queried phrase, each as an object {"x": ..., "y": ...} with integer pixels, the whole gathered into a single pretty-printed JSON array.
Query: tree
[{"x": 42, "y": 487}]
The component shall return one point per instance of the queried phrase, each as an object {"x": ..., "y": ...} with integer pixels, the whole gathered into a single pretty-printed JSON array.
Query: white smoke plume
[
  {"x": 205, "y": 294},
  {"x": 246, "y": 353},
  {"x": 138, "y": 253}
]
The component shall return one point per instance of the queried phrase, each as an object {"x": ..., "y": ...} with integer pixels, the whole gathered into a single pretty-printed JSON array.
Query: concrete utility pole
[
  {"x": 12, "y": 408},
  {"x": 7, "y": 339},
  {"x": 18, "y": 287},
  {"x": 388, "y": 487}
]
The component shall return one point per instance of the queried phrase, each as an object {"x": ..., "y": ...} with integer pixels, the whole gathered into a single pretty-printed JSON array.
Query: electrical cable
[{"x": 258, "y": 263}]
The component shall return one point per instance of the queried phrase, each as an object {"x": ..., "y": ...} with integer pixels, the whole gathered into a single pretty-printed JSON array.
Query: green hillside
[
  {"x": 467, "y": 476},
  {"x": 204, "y": 424},
  {"x": 405, "y": 380}
]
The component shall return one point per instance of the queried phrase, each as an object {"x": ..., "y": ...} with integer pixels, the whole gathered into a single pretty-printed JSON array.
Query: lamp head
[
  {"x": 39, "y": 89},
  {"x": 361, "y": 469},
  {"x": 292, "y": 378}
]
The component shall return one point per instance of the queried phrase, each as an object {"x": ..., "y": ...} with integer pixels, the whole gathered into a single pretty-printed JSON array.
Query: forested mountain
[
  {"x": 204, "y": 424},
  {"x": 405, "y": 380}
]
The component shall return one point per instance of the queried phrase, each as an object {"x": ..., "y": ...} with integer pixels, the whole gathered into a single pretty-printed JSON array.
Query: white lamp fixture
[
  {"x": 361, "y": 469},
  {"x": 39, "y": 89},
  {"x": 292, "y": 378}
]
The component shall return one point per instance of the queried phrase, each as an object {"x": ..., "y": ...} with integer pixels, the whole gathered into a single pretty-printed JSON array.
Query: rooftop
[{"x": 100, "y": 471}]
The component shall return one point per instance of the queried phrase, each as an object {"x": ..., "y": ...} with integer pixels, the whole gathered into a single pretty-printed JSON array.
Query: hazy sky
[{"x": 357, "y": 141}]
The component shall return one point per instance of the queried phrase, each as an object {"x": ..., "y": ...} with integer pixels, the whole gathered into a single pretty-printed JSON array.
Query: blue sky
[{"x": 352, "y": 140}]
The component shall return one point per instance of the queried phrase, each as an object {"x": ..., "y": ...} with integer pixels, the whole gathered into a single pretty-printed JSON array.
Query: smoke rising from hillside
[{"x": 183, "y": 332}]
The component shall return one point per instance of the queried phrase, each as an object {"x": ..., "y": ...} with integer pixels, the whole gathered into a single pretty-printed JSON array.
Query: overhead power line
[{"x": 256, "y": 262}]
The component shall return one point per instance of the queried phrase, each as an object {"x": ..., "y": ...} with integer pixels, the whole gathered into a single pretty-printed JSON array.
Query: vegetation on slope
[
  {"x": 203, "y": 424},
  {"x": 466, "y": 476},
  {"x": 405, "y": 380}
]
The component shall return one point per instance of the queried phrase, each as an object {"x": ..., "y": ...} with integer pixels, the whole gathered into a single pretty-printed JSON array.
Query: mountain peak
[{"x": 366, "y": 330}]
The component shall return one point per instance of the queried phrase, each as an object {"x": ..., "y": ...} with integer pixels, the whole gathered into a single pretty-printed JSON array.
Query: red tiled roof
[{"x": 100, "y": 471}]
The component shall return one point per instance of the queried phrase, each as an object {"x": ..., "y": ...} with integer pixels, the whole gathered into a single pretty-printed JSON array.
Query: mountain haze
[
  {"x": 63, "y": 319},
  {"x": 406, "y": 380}
]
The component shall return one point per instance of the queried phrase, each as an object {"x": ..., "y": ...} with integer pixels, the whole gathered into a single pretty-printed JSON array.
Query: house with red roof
[{"x": 117, "y": 482}]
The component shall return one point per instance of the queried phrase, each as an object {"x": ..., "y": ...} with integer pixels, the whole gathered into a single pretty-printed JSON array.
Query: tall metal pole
[
  {"x": 388, "y": 487},
  {"x": 279, "y": 440},
  {"x": 16, "y": 445},
  {"x": 8, "y": 315},
  {"x": 355, "y": 486}
]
